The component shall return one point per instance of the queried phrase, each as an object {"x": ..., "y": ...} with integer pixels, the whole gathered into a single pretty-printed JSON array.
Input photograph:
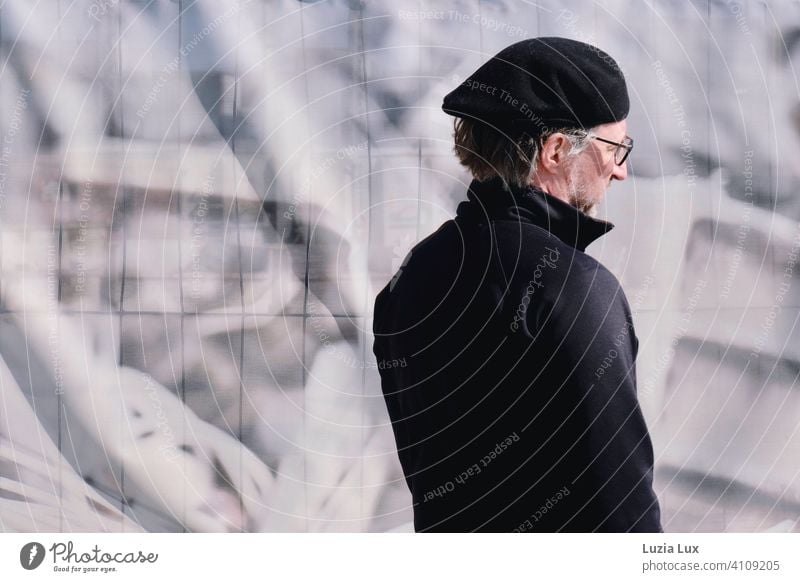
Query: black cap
[{"x": 543, "y": 82}]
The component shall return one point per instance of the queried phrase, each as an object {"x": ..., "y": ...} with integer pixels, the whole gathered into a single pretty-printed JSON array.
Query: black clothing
[{"x": 516, "y": 407}]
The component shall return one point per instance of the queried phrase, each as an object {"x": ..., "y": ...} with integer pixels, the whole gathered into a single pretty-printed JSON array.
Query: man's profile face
[{"x": 590, "y": 172}]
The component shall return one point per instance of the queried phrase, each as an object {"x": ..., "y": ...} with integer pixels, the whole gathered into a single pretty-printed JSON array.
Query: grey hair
[{"x": 487, "y": 152}]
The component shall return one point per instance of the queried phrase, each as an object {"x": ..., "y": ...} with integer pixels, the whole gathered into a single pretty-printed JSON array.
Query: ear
[{"x": 554, "y": 152}]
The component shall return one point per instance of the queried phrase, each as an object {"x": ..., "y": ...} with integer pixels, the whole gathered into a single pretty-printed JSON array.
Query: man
[{"x": 516, "y": 409}]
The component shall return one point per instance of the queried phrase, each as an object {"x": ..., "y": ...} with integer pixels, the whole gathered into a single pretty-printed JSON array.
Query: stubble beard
[{"x": 579, "y": 196}]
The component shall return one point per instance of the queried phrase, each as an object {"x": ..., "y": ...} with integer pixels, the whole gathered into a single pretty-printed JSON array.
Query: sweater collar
[{"x": 490, "y": 200}]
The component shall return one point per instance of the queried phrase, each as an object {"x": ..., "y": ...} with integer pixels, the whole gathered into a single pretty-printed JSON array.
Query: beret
[{"x": 541, "y": 82}]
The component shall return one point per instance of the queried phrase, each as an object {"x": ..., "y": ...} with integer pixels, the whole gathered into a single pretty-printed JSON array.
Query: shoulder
[
  {"x": 590, "y": 274},
  {"x": 593, "y": 291},
  {"x": 592, "y": 308}
]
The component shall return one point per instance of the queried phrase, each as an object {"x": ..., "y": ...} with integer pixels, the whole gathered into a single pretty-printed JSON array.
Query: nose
[{"x": 620, "y": 172}]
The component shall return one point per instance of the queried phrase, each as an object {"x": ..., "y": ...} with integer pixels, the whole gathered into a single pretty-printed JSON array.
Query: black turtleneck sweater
[{"x": 507, "y": 362}]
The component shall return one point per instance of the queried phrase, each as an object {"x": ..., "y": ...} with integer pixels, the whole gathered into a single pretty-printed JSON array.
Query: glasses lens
[{"x": 622, "y": 151}]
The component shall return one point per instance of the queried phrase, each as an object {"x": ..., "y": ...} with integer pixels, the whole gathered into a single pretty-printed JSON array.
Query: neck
[{"x": 555, "y": 186}]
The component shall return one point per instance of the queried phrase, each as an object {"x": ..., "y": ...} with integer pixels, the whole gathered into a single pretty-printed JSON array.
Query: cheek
[
  {"x": 575, "y": 176},
  {"x": 606, "y": 172},
  {"x": 598, "y": 160}
]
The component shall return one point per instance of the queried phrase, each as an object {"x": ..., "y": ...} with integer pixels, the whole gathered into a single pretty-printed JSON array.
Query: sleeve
[
  {"x": 393, "y": 397},
  {"x": 596, "y": 347}
]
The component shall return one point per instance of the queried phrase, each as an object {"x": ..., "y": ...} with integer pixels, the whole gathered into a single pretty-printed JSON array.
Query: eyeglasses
[{"x": 622, "y": 151}]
